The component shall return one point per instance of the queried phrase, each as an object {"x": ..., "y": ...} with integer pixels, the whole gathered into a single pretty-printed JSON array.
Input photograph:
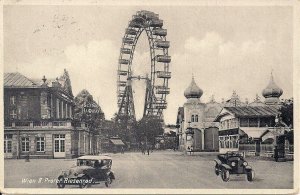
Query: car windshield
[
  {"x": 93, "y": 163},
  {"x": 234, "y": 154}
]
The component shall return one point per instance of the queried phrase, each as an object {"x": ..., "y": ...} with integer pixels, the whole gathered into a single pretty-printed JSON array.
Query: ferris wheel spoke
[{"x": 157, "y": 84}]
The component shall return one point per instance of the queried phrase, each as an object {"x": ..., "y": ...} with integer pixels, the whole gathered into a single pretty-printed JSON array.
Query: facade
[
  {"x": 38, "y": 119},
  {"x": 229, "y": 125},
  {"x": 196, "y": 128},
  {"x": 245, "y": 122},
  {"x": 246, "y": 127}
]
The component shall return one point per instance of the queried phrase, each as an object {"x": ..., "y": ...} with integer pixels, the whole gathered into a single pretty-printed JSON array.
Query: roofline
[
  {"x": 40, "y": 87},
  {"x": 23, "y": 87},
  {"x": 220, "y": 115},
  {"x": 251, "y": 116}
]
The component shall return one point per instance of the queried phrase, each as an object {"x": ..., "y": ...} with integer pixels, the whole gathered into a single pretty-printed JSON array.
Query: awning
[
  {"x": 267, "y": 136},
  {"x": 271, "y": 133},
  {"x": 253, "y": 131},
  {"x": 117, "y": 142}
]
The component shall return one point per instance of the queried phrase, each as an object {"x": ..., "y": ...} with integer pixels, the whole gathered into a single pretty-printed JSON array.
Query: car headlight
[
  {"x": 233, "y": 164},
  {"x": 245, "y": 163}
]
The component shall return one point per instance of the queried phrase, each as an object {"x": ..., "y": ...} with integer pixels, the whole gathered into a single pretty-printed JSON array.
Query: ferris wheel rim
[{"x": 132, "y": 35}]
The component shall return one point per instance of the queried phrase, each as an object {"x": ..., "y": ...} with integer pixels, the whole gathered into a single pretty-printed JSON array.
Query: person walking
[
  {"x": 192, "y": 150},
  {"x": 148, "y": 150},
  {"x": 143, "y": 149},
  {"x": 276, "y": 156}
]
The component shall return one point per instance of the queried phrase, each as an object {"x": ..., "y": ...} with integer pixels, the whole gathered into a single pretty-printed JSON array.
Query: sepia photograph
[{"x": 149, "y": 97}]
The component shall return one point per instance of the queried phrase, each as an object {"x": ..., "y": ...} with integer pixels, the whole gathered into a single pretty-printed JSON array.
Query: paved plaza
[{"x": 161, "y": 169}]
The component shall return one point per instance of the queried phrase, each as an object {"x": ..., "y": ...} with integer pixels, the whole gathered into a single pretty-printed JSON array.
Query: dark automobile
[
  {"x": 233, "y": 163},
  {"x": 89, "y": 170}
]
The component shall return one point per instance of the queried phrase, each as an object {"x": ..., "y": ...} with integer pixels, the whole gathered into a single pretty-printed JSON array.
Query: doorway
[{"x": 59, "y": 146}]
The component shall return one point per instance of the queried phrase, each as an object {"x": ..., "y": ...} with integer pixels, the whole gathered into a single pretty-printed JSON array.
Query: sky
[{"x": 224, "y": 48}]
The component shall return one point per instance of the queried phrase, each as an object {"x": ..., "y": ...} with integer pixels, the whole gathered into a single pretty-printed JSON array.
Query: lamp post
[
  {"x": 189, "y": 137},
  {"x": 279, "y": 149}
]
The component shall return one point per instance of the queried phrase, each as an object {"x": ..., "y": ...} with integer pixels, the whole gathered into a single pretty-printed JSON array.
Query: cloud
[
  {"x": 40, "y": 66},
  {"x": 219, "y": 66},
  {"x": 94, "y": 67},
  {"x": 250, "y": 46},
  {"x": 209, "y": 43}
]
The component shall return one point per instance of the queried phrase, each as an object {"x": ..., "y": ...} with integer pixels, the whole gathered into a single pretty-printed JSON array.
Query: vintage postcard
[{"x": 131, "y": 97}]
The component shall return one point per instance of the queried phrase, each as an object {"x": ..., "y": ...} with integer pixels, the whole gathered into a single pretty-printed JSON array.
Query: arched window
[
  {"x": 196, "y": 118},
  {"x": 193, "y": 118}
]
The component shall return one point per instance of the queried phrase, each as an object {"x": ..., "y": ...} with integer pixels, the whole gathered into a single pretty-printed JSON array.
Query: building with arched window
[
  {"x": 39, "y": 119},
  {"x": 198, "y": 117},
  {"x": 223, "y": 126},
  {"x": 245, "y": 127}
]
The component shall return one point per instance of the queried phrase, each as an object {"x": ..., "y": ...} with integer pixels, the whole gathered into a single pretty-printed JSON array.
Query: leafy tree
[
  {"x": 286, "y": 111},
  {"x": 171, "y": 134},
  {"x": 148, "y": 128},
  {"x": 125, "y": 128},
  {"x": 87, "y": 110},
  {"x": 107, "y": 128}
]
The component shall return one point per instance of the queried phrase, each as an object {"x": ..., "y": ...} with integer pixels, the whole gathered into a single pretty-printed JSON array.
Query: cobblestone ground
[{"x": 161, "y": 169}]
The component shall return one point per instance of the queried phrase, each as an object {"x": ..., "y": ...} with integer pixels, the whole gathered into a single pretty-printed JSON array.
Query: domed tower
[
  {"x": 272, "y": 92},
  {"x": 193, "y": 91},
  {"x": 194, "y": 116}
]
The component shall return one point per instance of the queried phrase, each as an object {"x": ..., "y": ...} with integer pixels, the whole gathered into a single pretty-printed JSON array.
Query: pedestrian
[
  {"x": 143, "y": 149},
  {"x": 122, "y": 150},
  {"x": 148, "y": 150},
  {"x": 189, "y": 149},
  {"x": 276, "y": 153}
]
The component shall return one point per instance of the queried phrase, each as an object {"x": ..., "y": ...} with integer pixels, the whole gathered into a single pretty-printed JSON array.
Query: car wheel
[
  {"x": 83, "y": 182},
  {"x": 250, "y": 175},
  {"x": 60, "y": 182},
  {"x": 217, "y": 170},
  {"x": 108, "y": 181},
  {"x": 225, "y": 175}
]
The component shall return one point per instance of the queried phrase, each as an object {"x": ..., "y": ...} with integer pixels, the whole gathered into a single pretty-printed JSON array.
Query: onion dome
[
  {"x": 272, "y": 90},
  {"x": 193, "y": 91}
]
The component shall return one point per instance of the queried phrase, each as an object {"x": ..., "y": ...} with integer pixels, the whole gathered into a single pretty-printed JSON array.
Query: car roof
[
  {"x": 235, "y": 154},
  {"x": 94, "y": 157}
]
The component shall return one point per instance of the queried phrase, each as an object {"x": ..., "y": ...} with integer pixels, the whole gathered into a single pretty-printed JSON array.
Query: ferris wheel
[{"x": 157, "y": 79}]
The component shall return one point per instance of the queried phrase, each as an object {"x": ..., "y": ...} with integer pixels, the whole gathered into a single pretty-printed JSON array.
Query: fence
[
  {"x": 289, "y": 151},
  {"x": 249, "y": 149},
  {"x": 266, "y": 150}
]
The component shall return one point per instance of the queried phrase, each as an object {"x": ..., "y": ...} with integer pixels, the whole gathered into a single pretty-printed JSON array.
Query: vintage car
[
  {"x": 233, "y": 163},
  {"x": 89, "y": 170}
]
